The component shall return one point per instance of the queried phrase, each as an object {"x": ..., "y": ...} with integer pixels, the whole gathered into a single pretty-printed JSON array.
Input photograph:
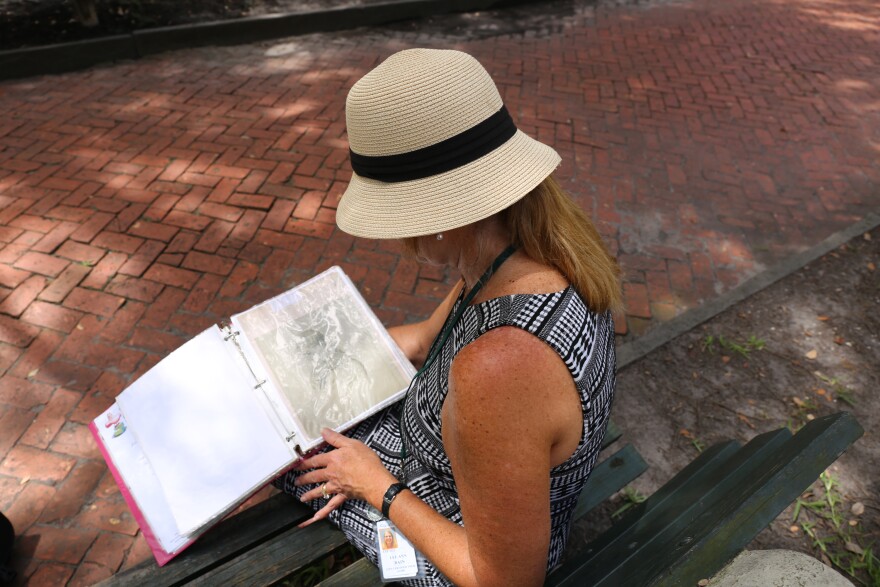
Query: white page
[
  {"x": 140, "y": 479},
  {"x": 326, "y": 353},
  {"x": 197, "y": 420}
]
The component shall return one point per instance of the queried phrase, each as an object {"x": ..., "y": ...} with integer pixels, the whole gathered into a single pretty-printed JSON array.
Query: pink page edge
[{"x": 159, "y": 553}]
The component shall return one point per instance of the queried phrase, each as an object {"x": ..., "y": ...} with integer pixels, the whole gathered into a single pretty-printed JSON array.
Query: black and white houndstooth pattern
[{"x": 585, "y": 342}]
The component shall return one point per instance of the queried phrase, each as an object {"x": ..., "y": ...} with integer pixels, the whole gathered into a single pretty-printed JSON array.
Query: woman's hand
[{"x": 351, "y": 471}]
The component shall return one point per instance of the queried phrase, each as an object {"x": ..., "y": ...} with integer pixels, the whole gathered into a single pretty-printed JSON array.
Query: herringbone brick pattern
[{"x": 142, "y": 202}]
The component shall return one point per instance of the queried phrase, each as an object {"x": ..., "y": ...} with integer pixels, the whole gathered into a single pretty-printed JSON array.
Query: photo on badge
[{"x": 397, "y": 557}]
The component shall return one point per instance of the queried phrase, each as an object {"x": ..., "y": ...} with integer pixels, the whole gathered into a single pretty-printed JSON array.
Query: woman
[{"x": 481, "y": 465}]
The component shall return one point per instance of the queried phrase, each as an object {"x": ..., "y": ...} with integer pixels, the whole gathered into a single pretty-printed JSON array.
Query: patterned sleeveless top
[{"x": 585, "y": 342}]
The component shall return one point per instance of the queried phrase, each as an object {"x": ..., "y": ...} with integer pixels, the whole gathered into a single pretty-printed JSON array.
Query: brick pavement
[{"x": 142, "y": 202}]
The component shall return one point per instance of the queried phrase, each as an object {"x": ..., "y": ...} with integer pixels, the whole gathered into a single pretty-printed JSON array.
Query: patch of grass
[
  {"x": 840, "y": 541},
  {"x": 841, "y": 391},
  {"x": 631, "y": 497},
  {"x": 711, "y": 343}
]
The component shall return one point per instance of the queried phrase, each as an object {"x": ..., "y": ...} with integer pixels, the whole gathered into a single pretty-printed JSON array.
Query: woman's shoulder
[{"x": 522, "y": 275}]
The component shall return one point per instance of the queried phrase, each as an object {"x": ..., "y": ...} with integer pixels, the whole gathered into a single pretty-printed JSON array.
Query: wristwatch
[{"x": 390, "y": 495}]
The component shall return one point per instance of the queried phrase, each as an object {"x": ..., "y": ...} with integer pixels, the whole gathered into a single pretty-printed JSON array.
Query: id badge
[{"x": 397, "y": 557}]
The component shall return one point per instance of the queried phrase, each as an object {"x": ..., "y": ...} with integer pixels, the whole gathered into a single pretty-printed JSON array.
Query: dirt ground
[{"x": 807, "y": 346}]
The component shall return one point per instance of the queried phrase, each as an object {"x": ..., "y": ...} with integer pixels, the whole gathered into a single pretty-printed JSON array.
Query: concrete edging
[
  {"x": 64, "y": 57},
  {"x": 630, "y": 352}
]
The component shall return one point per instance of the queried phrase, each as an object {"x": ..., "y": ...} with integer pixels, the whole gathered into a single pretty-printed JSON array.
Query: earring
[{"x": 440, "y": 236}]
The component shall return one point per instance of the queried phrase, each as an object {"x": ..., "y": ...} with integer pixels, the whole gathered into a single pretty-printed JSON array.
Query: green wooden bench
[{"x": 686, "y": 531}]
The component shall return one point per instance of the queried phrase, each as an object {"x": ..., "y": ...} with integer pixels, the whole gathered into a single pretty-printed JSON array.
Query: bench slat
[
  {"x": 707, "y": 521},
  {"x": 609, "y": 477},
  {"x": 727, "y": 529},
  {"x": 230, "y": 538},
  {"x": 277, "y": 558}
]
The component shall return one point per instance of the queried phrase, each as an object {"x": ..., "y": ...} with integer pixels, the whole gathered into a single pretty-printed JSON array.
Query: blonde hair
[{"x": 551, "y": 229}]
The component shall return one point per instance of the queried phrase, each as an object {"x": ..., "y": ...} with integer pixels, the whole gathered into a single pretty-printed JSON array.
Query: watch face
[{"x": 373, "y": 514}]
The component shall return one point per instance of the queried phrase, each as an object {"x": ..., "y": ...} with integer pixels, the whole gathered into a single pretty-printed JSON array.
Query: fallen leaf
[
  {"x": 114, "y": 521},
  {"x": 821, "y": 391},
  {"x": 686, "y": 433},
  {"x": 33, "y": 374},
  {"x": 746, "y": 421},
  {"x": 811, "y": 417},
  {"x": 853, "y": 522},
  {"x": 794, "y": 529},
  {"x": 867, "y": 236},
  {"x": 725, "y": 359},
  {"x": 854, "y": 548},
  {"x": 858, "y": 508},
  {"x": 811, "y": 354},
  {"x": 702, "y": 582},
  {"x": 839, "y": 340},
  {"x": 822, "y": 318},
  {"x": 798, "y": 401},
  {"x": 871, "y": 267},
  {"x": 24, "y": 480},
  {"x": 808, "y": 334}
]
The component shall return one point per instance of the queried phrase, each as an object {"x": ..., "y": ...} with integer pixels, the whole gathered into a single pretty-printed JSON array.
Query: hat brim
[{"x": 371, "y": 208}]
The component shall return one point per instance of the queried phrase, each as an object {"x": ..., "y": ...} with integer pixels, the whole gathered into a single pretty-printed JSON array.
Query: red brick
[
  {"x": 208, "y": 263},
  {"x": 155, "y": 341},
  {"x": 214, "y": 236},
  {"x": 34, "y": 223},
  {"x": 23, "y": 393},
  {"x": 144, "y": 257},
  {"x": 117, "y": 242},
  {"x": 153, "y": 230},
  {"x": 90, "y": 407},
  {"x": 55, "y": 237},
  {"x": 42, "y": 264},
  {"x": 66, "y": 545},
  {"x": 16, "y": 302},
  {"x": 202, "y": 293},
  {"x": 139, "y": 552},
  {"x": 279, "y": 215},
  {"x": 29, "y": 504},
  {"x": 133, "y": 288},
  {"x": 415, "y": 307},
  {"x": 13, "y": 422},
  {"x": 635, "y": 297},
  {"x": 75, "y": 440},
  {"x": 247, "y": 227},
  {"x": 51, "y": 316},
  {"x": 58, "y": 289},
  {"x": 68, "y": 498},
  {"x": 37, "y": 352},
  {"x": 103, "y": 271},
  {"x": 84, "y": 254},
  {"x": 109, "y": 550},
  {"x": 111, "y": 515},
  {"x": 91, "y": 227},
  {"x": 227, "y": 171},
  {"x": 50, "y": 419},
  {"x": 24, "y": 461},
  {"x": 118, "y": 329},
  {"x": 240, "y": 278},
  {"x": 171, "y": 276},
  {"x": 174, "y": 170},
  {"x": 250, "y": 201},
  {"x": 10, "y": 277},
  {"x": 50, "y": 575},
  {"x": 89, "y": 573},
  {"x": 168, "y": 302},
  {"x": 309, "y": 228},
  {"x": 75, "y": 376},
  {"x": 93, "y": 302},
  {"x": 308, "y": 206}
]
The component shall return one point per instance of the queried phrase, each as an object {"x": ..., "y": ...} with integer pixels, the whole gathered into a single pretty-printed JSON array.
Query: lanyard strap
[{"x": 450, "y": 323}]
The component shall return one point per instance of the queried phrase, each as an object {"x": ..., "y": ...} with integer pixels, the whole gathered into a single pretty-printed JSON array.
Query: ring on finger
[{"x": 324, "y": 491}]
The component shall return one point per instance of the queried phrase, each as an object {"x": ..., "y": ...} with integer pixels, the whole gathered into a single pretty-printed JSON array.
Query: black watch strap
[{"x": 390, "y": 495}]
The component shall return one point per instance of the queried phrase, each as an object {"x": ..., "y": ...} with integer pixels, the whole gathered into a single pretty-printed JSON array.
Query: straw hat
[{"x": 433, "y": 148}]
